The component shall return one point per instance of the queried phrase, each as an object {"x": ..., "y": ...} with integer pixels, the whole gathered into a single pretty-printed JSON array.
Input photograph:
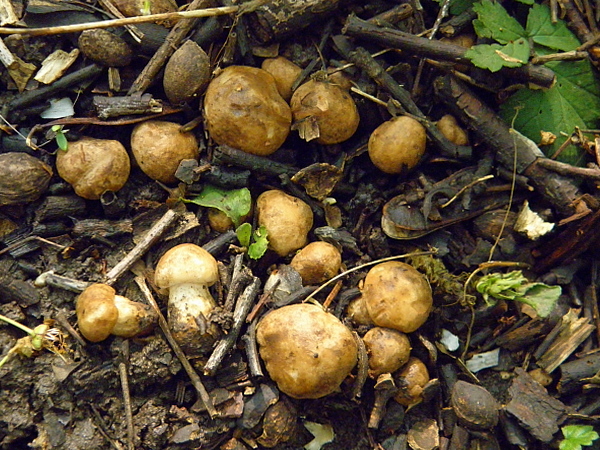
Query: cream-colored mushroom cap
[
  {"x": 96, "y": 312},
  {"x": 186, "y": 263}
]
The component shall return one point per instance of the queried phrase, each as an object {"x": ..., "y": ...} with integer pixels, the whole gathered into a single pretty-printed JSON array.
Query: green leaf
[
  {"x": 234, "y": 203},
  {"x": 494, "y": 22},
  {"x": 514, "y": 286},
  {"x": 574, "y": 101},
  {"x": 552, "y": 35},
  {"x": 61, "y": 141},
  {"x": 244, "y": 233},
  {"x": 493, "y": 57},
  {"x": 577, "y": 435},
  {"x": 258, "y": 248}
]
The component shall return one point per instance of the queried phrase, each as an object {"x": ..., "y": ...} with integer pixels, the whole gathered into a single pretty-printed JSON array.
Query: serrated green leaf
[
  {"x": 577, "y": 435},
  {"x": 552, "y": 35},
  {"x": 234, "y": 203},
  {"x": 495, "y": 56},
  {"x": 244, "y": 233},
  {"x": 574, "y": 101},
  {"x": 540, "y": 297},
  {"x": 494, "y": 22},
  {"x": 258, "y": 248}
]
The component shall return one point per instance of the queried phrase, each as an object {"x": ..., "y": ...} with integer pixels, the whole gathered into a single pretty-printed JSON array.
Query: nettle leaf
[
  {"x": 574, "y": 101},
  {"x": 495, "y": 56},
  {"x": 552, "y": 35},
  {"x": 244, "y": 233},
  {"x": 234, "y": 203},
  {"x": 258, "y": 248},
  {"x": 493, "y": 21},
  {"x": 577, "y": 435}
]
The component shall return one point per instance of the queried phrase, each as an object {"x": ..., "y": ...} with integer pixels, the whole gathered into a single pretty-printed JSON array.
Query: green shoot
[
  {"x": 255, "y": 241},
  {"x": 577, "y": 436},
  {"x": 61, "y": 139},
  {"x": 514, "y": 286}
]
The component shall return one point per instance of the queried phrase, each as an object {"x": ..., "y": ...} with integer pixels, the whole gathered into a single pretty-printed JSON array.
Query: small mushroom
[
  {"x": 452, "y": 130},
  {"x": 411, "y": 379},
  {"x": 94, "y": 166},
  {"x": 186, "y": 271},
  {"x": 287, "y": 220},
  {"x": 397, "y": 296},
  {"x": 159, "y": 146},
  {"x": 243, "y": 109},
  {"x": 397, "y": 145},
  {"x": 357, "y": 311},
  {"x": 325, "y": 112},
  {"x": 388, "y": 350},
  {"x": 285, "y": 73},
  {"x": 317, "y": 262},
  {"x": 100, "y": 313},
  {"x": 307, "y": 351}
]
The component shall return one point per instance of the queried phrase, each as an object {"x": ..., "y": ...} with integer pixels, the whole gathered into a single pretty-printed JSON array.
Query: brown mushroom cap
[
  {"x": 159, "y": 146},
  {"x": 307, "y": 351},
  {"x": 331, "y": 106},
  {"x": 317, "y": 262},
  {"x": 357, "y": 311},
  {"x": 96, "y": 312},
  {"x": 94, "y": 166},
  {"x": 285, "y": 73},
  {"x": 397, "y": 296},
  {"x": 186, "y": 263},
  {"x": 243, "y": 109},
  {"x": 287, "y": 220},
  {"x": 388, "y": 350},
  {"x": 412, "y": 378},
  {"x": 397, "y": 145}
]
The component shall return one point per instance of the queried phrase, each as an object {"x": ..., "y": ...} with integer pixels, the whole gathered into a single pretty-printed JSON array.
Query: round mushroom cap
[
  {"x": 96, "y": 312},
  {"x": 286, "y": 218},
  {"x": 186, "y": 263},
  {"x": 397, "y": 296},
  {"x": 388, "y": 350},
  {"x": 412, "y": 378},
  {"x": 307, "y": 351},
  {"x": 94, "y": 166},
  {"x": 317, "y": 262}
]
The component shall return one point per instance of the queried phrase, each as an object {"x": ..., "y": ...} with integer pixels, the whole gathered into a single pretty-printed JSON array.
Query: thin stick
[
  {"x": 194, "y": 377},
  {"x": 208, "y": 12},
  {"x": 242, "y": 308},
  {"x": 142, "y": 247},
  {"x": 124, "y": 357}
]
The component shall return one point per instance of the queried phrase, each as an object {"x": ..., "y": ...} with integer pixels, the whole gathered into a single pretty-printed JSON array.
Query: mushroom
[
  {"x": 452, "y": 130},
  {"x": 357, "y": 311},
  {"x": 411, "y": 379},
  {"x": 324, "y": 111},
  {"x": 388, "y": 350},
  {"x": 159, "y": 146},
  {"x": 186, "y": 271},
  {"x": 243, "y": 109},
  {"x": 285, "y": 73},
  {"x": 94, "y": 166},
  {"x": 317, "y": 262},
  {"x": 307, "y": 351},
  {"x": 287, "y": 220},
  {"x": 100, "y": 313},
  {"x": 397, "y": 145},
  {"x": 397, "y": 296}
]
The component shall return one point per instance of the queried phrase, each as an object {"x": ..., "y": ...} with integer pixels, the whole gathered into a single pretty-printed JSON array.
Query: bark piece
[
  {"x": 536, "y": 411},
  {"x": 574, "y": 373}
]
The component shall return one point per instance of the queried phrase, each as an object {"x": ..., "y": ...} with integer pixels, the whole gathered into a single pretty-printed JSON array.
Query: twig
[
  {"x": 208, "y": 12},
  {"x": 239, "y": 279},
  {"x": 49, "y": 278},
  {"x": 123, "y": 358},
  {"x": 242, "y": 308},
  {"x": 363, "y": 366},
  {"x": 142, "y": 246},
  {"x": 249, "y": 339},
  {"x": 194, "y": 377},
  {"x": 569, "y": 170},
  {"x": 6, "y": 57}
]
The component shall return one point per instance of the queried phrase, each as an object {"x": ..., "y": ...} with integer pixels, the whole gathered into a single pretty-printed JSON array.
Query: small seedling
[
  {"x": 514, "y": 286},
  {"x": 577, "y": 436},
  {"x": 61, "y": 138},
  {"x": 234, "y": 203},
  {"x": 255, "y": 241},
  {"x": 41, "y": 337}
]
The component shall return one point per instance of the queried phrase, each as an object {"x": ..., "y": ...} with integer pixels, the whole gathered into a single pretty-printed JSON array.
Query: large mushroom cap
[
  {"x": 307, "y": 351},
  {"x": 96, "y": 312},
  {"x": 186, "y": 263},
  {"x": 397, "y": 296}
]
